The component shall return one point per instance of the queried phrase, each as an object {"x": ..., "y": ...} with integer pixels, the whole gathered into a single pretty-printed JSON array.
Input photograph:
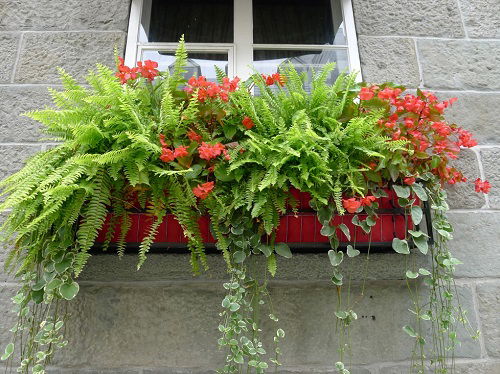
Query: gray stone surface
[
  {"x": 174, "y": 325},
  {"x": 8, "y": 317},
  {"x": 481, "y": 18},
  {"x": 77, "y": 52},
  {"x": 64, "y": 15},
  {"x": 460, "y": 64},
  {"x": 420, "y": 17},
  {"x": 13, "y": 157},
  {"x": 490, "y": 158},
  {"x": 301, "y": 267},
  {"x": 462, "y": 195},
  {"x": 476, "y": 112},
  {"x": 18, "y": 100},
  {"x": 478, "y": 368},
  {"x": 8, "y": 52},
  {"x": 389, "y": 59},
  {"x": 475, "y": 243},
  {"x": 488, "y": 295}
]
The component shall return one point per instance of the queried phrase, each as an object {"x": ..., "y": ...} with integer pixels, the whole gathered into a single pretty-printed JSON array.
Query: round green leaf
[
  {"x": 69, "y": 290},
  {"x": 402, "y": 191},
  {"x": 422, "y": 244},
  {"x": 194, "y": 172},
  {"x": 62, "y": 266},
  {"x": 351, "y": 252},
  {"x": 400, "y": 246},
  {"x": 416, "y": 214},
  {"x": 239, "y": 257},
  {"x": 283, "y": 250},
  {"x": 345, "y": 230},
  {"x": 8, "y": 351},
  {"x": 328, "y": 230},
  {"x": 419, "y": 191},
  {"x": 410, "y": 274},
  {"x": 336, "y": 258},
  {"x": 265, "y": 249}
]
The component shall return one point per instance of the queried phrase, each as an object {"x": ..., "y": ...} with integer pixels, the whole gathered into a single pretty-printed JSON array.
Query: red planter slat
[{"x": 303, "y": 227}]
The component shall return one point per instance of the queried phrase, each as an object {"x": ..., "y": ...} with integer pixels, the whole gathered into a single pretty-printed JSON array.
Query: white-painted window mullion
[
  {"x": 352, "y": 40},
  {"x": 243, "y": 38}
]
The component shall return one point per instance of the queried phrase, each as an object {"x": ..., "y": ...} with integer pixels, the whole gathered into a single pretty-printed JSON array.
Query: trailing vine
[{"x": 140, "y": 140}]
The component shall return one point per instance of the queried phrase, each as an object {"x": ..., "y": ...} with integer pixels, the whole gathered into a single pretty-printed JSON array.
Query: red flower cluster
[
  {"x": 167, "y": 155},
  {"x": 146, "y": 69},
  {"x": 209, "y": 151},
  {"x": 481, "y": 186},
  {"x": 418, "y": 119},
  {"x": 353, "y": 204},
  {"x": 248, "y": 123},
  {"x": 211, "y": 90},
  {"x": 274, "y": 78},
  {"x": 194, "y": 136},
  {"x": 203, "y": 190}
]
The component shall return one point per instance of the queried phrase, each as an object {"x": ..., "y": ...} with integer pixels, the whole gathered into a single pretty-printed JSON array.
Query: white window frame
[{"x": 240, "y": 52}]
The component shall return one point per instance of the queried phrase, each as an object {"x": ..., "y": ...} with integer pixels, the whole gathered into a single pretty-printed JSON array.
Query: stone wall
[{"x": 161, "y": 320}]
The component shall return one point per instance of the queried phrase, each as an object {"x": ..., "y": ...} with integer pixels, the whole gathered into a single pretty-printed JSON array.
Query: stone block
[
  {"x": 8, "y": 51},
  {"x": 490, "y": 158},
  {"x": 421, "y": 18},
  {"x": 481, "y": 18},
  {"x": 462, "y": 195},
  {"x": 301, "y": 267},
  {"x": 13, "y": 157},
  {"x": 488, "y": 295},
  {"x": 460, "y": 64},
  {"x": 478, "y": 368},
  {"x": 476, "y": 112},
  {"x": 15, "y": 101},
  {"x": 175, "y": 325},
  {"x": 76, "y": 52},
  {"x": 65, "y": 15},
  {"x": 475, "y": 243},
  {"x": 389, "y": 59}
]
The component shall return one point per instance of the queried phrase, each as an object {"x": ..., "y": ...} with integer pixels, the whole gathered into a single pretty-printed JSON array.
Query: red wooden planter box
[{"x": 303, "y": 228}]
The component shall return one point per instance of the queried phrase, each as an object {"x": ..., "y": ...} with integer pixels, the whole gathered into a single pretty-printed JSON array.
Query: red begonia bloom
[
  {"x": 248, "y": 123},
  {"x": 148, "y": 69},
  {"x": 351, "y": 205},
  {"x": 208, "y": 151},
  {"x": 181, "y": 151},
  {"x": 193, "y": 136},
  {"x": 366, "y": 94},
  {"x": 409, "y": 180},
  {"x": 167, "y": 155},
  {"x": 481, "y": 186},
  {"x": 368, "y": 200},
  {"x": 203, "y": 190}
]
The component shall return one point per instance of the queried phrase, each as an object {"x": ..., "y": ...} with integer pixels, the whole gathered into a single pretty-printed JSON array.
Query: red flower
[
  {"x": 278, "y": 78},
  {"x": 203, "y": 190},
  {"x": 351, "y": 205},
  {"x": 481, "y": 186},
  {"x": 248, "y": 123},
  {"x": 465, "y": 139},
  {"x": 167, "y": 155},
  {"x": 162, "y": 140},
  {"x": 208, "y": 151},
  {"x": 180, "y": 151},
  {"x": 148, "y": 69},
  {"x": 193, "y": 136},
  {"x": 368, "y": 200},
  {"x": 409, "y": 180},
  {"x": 366, "y": 94},
  {"x": 124, "y": 72}
]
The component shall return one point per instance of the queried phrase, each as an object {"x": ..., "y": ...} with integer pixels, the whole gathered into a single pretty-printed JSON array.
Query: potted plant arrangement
[{"x": 218, "y": 164}]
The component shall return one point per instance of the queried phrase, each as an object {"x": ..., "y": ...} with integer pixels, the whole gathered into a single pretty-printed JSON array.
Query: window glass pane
[
  {"x": 199, "y": 63},
  {"x": 297, "y": 22},
  {"x": 201, "y": 21},
  {"x": 269, "y": 61}
]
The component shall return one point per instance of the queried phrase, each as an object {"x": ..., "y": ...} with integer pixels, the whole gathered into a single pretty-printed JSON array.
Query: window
[{"x": 239, "y": 35}]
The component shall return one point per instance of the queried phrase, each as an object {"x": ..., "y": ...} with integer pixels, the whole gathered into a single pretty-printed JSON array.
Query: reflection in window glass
[
  {"x": 201, "y": 21},
  {"x": 298, "y": 22},
  {"x": 269, "y": 62},
  {"x": 199, "y": 63}
]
